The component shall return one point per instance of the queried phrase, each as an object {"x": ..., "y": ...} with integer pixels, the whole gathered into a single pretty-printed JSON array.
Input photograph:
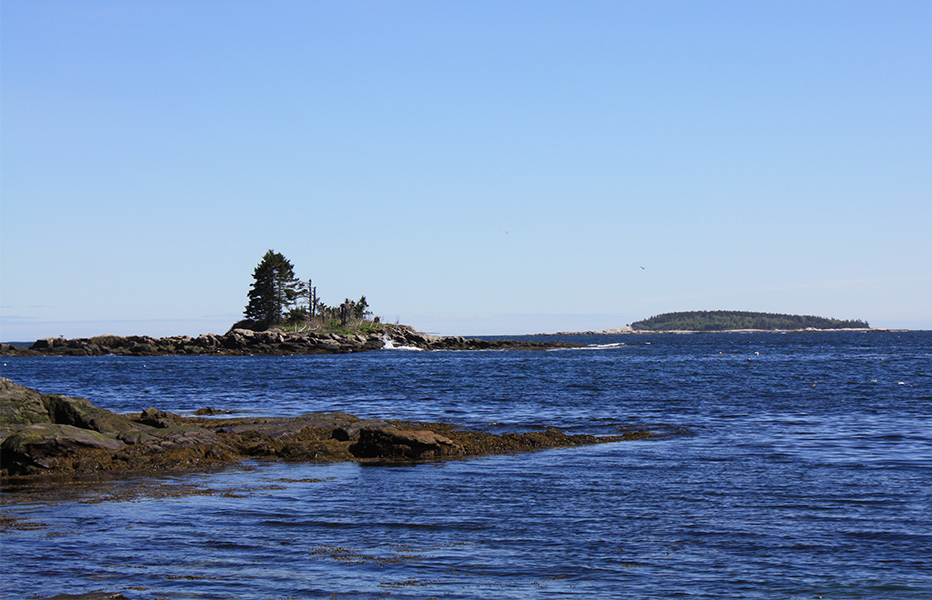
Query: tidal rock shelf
[
  {"x": 46, "y": 434},
  {"x": 274, "y": 342}
]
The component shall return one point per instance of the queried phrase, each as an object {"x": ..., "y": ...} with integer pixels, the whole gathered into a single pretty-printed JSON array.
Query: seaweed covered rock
[
  {"x": 53, "y": 434},
  {"x": 287, "y": 428},
  {"x": 395, "y": 443},
  {"x": 43, "y": 446}
]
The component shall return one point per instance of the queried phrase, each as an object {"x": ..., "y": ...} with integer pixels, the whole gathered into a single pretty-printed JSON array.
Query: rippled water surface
[{"x": 790, "y": 466}]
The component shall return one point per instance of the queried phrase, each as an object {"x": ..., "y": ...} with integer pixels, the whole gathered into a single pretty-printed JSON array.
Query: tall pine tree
[{"x": 274, "y": 289}]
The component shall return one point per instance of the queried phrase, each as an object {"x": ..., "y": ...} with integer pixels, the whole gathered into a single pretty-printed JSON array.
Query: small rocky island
[
  {"x": 733, "y": 320},
  {"x": 46, "y": 434},
  {"x": 242, "y": 341}
]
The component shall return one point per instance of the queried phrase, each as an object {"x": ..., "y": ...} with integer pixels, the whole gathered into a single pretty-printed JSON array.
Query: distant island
[{"x": 729, "y": 320}]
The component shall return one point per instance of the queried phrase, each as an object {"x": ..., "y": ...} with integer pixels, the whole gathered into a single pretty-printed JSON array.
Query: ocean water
[{"x": 785, "y": 466}]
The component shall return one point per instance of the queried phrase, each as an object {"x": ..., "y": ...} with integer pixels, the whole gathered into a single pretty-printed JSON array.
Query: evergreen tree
[
  {"x": 274, "y": 289},
  {"x": 361, "y": 308}
]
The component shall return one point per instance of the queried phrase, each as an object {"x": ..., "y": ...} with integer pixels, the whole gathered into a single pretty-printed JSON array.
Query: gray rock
[
  {"x": 47, "y": 343},
  {"x": 351, "y": 432},
  {"x": 206, "y": 340},
  {"x": 19, "y": 406},
  {"x": 329, "y": 345},
  {"x": 42, "y": 445},
  {"x": 80, "y": 413},
  {"x": 158, "y": 418},
  {"x": 109, "y": 341},
  {"x": 180, "y": 436}
]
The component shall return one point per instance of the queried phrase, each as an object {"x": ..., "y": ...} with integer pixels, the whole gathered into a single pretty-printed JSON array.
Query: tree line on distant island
[
  {"x": 725, "y": 320},
  {"x": 278, "y": 298}
]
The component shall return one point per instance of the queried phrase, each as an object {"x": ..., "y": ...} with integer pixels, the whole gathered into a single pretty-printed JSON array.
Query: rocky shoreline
[
  {"x": 245, "y": 342},
  {"x": 45, "y": 435},
  {"x": 273, "y": 342}
]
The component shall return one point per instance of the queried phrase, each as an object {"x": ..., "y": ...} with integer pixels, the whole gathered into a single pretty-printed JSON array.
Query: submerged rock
[
  {"x": 209, "y": 411},
  {"x": 90, "y": 596}
]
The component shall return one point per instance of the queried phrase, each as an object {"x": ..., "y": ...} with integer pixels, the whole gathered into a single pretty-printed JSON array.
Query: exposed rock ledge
[
  {"x": 56, "y": 435},
  {"x": 246, "y": 341}
]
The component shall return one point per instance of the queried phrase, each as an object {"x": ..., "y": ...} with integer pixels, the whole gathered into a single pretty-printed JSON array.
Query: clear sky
[{"x": 476, "y": 167}]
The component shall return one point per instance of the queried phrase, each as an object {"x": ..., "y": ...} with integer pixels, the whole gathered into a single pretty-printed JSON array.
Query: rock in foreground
[
  {"x": 53, "y": 434},
  {"x": 90, "y": 596}
]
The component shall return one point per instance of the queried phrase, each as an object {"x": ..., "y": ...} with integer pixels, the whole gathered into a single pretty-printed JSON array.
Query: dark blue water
[{"x": 804, "y": 472}]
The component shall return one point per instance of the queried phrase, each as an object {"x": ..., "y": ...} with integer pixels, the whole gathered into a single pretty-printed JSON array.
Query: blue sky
[{"x": 472, "y": 167}]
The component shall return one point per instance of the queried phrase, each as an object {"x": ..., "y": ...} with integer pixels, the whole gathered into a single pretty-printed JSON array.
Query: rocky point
[{"x": 52, "y": 434}]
